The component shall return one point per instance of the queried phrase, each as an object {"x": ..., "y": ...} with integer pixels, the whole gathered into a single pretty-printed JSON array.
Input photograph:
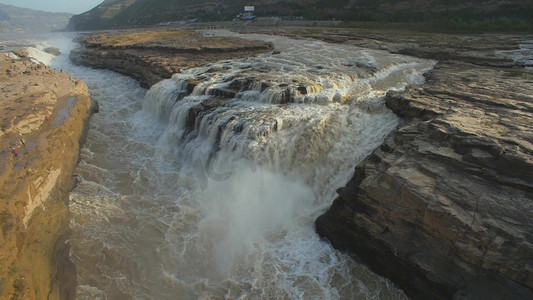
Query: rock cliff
[
  {"x": 43, "y": 118},
  {"x": 444, "y": 206}
]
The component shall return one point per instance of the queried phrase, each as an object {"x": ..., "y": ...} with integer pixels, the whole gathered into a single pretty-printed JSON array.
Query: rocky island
[
  {"x": 444, "y": 206},
  {"x": 43, "y": 120}
]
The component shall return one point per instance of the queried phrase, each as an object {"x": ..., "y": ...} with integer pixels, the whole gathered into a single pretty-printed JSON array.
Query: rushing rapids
[{"x": 208, "y": 185}]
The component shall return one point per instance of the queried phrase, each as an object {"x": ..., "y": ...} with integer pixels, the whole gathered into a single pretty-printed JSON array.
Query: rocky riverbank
[
  {"x": 444, "y": 206},
  {"x": 150, "y": 56},
  {"x": 43, "y": 118}
]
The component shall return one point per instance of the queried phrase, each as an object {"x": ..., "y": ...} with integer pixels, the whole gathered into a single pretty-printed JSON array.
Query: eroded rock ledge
[
  {"x": 43, "y": 116},
  {"x": 445, "y": 206},
  {"x": 150, "y": 56}
]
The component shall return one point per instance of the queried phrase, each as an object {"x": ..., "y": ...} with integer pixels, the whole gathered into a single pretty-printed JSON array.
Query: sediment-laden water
[{"x": 184, "y": 194}]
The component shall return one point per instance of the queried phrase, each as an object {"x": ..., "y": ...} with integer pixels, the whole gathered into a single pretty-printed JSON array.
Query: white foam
[
  {"x": 40, "y": 56},
  {"x": 13, "y": 55},
  {"x": 143, "y": 225},
  {"x": 250, "y": 206}
]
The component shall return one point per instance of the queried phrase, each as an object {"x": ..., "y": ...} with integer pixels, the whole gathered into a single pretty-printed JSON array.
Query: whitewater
[{"x": 183, "y": 194}]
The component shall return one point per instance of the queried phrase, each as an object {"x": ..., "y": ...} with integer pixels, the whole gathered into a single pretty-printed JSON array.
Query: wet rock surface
[{"x": 444, "y": 206}]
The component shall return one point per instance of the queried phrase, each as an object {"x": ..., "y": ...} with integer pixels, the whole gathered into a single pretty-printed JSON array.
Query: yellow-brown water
[{"x": 224, "y": 207}]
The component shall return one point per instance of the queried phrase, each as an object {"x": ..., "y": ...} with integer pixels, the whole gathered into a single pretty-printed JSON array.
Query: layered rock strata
[
  {"x": 150, "y": 56},
  {"x": 43, "y": 118},
  {"x": 445, "y": 206}
]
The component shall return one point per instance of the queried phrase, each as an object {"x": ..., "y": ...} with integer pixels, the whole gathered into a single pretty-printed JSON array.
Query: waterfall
[
  {"x": 209, "y": 185},
  {"x": 288, "y": 113}
]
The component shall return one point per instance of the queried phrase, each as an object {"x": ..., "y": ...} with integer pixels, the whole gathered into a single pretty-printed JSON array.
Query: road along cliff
[{"x": 43, "y": 118}]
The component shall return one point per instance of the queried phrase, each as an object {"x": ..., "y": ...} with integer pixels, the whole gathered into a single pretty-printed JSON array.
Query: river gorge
[
  {"x": 186, "y": 193},
  {"x": 208, "y": 184}
]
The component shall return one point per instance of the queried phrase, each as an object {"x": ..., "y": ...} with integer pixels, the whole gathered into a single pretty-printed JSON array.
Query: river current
[{"x": 185, "y": 195}]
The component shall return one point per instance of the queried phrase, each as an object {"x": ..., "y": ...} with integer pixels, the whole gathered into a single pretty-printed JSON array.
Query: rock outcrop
[
  {"x": 43, "y": 118},
  {"x": 444, "y": 206},
  {"x": 151, "y": 56}
]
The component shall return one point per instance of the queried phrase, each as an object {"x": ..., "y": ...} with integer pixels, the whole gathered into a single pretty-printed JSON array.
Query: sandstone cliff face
[
  {"x": 445, "y": 206},
  {"x": 43, "y": 117}
]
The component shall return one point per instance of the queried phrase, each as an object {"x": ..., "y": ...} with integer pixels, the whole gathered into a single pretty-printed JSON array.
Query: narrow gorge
[
  {"x": 222, "y": 166},
  {"x": 236, "y": 158},
  {"x": 442, "y": 207}
]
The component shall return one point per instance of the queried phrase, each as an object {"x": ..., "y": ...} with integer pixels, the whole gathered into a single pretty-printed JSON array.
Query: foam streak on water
[
  {"x": 184, "y": 195},
  {"x": 523, "y": 56}
]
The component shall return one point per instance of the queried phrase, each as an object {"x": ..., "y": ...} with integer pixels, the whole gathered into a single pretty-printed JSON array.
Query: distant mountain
[
  {"x": 459, "y": 13},
  {"x": 16, "y": 19}
]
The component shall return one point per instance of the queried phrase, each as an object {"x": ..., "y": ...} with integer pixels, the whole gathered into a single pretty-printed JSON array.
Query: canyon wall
[
  {"x": 444, "y": 206},
  {"x": 43, "y": 119}
]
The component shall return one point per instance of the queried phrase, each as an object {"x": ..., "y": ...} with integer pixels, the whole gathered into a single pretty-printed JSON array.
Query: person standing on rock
[
  {"x": 47, "y": 118},
  {"x": 14, "y": 151}
]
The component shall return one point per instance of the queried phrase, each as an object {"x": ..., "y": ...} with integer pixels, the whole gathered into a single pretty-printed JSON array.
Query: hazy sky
[{"x": 71, "y": 6}]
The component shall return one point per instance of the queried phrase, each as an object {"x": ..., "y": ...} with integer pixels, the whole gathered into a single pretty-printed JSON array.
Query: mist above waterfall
[{"x": 252, "y": 207}]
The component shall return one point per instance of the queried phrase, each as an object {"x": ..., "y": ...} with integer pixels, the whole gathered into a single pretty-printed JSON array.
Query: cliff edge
[
  {"x": 43, "y": 118},
  {"x": 444, "y": 206}
]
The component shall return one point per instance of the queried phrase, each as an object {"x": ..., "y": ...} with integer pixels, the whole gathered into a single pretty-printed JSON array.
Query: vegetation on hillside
[{"x": 473, "y": 15}]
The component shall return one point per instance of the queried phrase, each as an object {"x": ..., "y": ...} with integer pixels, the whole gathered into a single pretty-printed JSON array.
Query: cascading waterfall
[{"x": 210, "y": 185}]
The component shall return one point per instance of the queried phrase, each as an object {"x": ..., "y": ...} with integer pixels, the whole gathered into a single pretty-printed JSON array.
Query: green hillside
[
  {"x": 503, "y": 15},
  {"x": 16, "y": 19}
]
